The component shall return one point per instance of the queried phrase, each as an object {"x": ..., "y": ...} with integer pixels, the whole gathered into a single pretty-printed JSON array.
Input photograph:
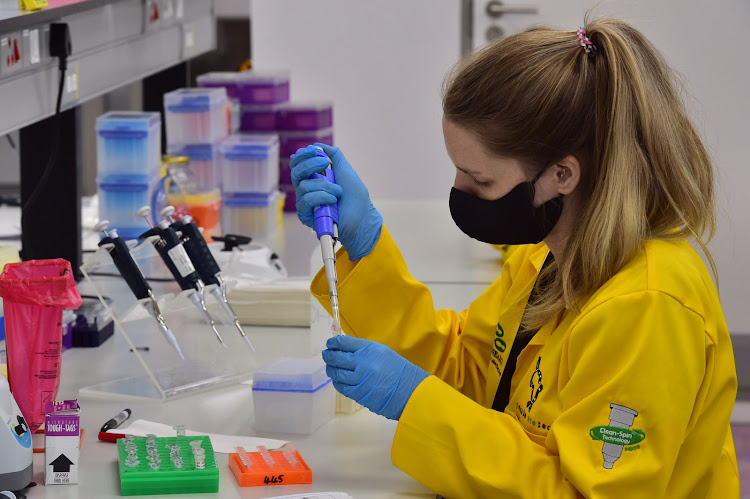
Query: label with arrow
[{"x": 61, "y": 469}]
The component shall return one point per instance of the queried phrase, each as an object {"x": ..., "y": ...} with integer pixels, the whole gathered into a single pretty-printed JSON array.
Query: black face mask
[{"x": 512, "y": 219}]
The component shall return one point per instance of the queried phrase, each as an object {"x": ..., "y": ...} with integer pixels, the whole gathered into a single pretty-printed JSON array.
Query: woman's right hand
[{"x": 359, "y": 222}]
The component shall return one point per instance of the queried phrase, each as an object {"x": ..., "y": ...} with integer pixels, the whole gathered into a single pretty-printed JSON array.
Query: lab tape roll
[{"x": 619, "y": 417}]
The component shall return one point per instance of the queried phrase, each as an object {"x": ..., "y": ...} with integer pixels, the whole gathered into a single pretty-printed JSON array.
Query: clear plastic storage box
[
  {"x": 304, "y": 116},
  {"x": 196, "y": 116},
  {"x": 250, "y": 163},
  {"x": 128, "y": 143},
  {"x": 258, "y": 118},
  {"x": 204, "y": 164},
  {"x": 118, "y": 203},
  {"x": 252, "y": 214},
  {"x": 293, "y": 396},
  {"x": 250, "y": 87},
  {"x": 290, "y": 142}
]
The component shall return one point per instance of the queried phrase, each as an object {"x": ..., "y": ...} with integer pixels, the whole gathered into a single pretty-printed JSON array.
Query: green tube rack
[{"x": 142, "y": 480}]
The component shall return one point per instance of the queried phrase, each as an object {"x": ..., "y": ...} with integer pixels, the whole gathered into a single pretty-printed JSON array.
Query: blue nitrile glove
[
  {"x": 359, "y": 221},
  {"x": 372, "y": 374}
]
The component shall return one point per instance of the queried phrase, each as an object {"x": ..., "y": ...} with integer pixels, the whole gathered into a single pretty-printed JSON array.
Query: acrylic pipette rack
[
  {"x": 167, "y": 465},
  {"x": 159, "y": 374},
  {"x": 264, "y": 467}
]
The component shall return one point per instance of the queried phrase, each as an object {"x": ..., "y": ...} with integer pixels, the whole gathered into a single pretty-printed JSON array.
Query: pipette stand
[{"x": 163, "y": 374}]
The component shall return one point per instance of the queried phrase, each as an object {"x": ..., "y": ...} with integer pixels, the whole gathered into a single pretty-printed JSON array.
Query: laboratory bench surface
[{"x": 351, "y": 453}]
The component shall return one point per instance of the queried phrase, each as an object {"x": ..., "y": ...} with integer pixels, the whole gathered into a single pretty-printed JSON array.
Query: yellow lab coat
[{"x": 629, "y": 398}]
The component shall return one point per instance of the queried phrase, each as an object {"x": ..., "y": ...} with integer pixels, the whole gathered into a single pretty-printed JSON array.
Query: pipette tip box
[
  {"x": 292, "y": 396},
  {"x": 138, "y": 476},
  {"x": 196, "y": 116},
  {"x": 128, "y": 143},
  {"x": 249, "y": 163},
  {"x": 250, "y": 87},
  {"x": 279, "y": 471}
]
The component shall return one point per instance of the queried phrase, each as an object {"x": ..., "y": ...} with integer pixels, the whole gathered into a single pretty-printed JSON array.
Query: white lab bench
[{"x": 349, "y": 454}]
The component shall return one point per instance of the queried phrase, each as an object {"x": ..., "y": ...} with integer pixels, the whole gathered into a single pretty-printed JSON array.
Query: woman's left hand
[{"x": 372, "y": 374}]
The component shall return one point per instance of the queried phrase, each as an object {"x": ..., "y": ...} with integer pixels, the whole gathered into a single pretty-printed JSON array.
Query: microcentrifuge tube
[
  {"x": 196, "y": 444},
  {"x": 266, "y": 456},
  {"x": 178, "y": 463},
  {"x": 290, "y": 454},
  {"x": 154, "y": 465},
  {"x": 244, "y": 458},
  {"x": 180, "y": 429}
]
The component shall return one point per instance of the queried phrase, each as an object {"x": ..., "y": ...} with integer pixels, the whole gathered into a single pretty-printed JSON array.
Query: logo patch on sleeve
[{"x": 618, "y": 435}]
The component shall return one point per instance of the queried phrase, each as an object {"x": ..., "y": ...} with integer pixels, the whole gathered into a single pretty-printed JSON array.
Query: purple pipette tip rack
[{"x": 325, "y": 216}]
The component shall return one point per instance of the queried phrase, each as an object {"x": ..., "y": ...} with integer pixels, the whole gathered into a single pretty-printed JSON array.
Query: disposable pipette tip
[
  {"x": 247, "y": 340},
  {"x": 336, "y": 327},
  {"x": 173, "y": 341}
]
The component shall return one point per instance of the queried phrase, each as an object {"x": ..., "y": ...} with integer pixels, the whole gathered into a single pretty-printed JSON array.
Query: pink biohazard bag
[{"x": 34, "y": 295}]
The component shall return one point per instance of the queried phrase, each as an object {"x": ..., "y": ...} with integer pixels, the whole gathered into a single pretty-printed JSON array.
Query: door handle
[{"x": 496, "y": 9}]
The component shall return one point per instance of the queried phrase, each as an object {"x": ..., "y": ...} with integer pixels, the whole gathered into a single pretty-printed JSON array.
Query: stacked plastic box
[
  {"x": 197, "y": 124},
  {"x": 128, "y": 159},
  {"x": 252, "y": 203},
  {"x": 258, "y": 94},
  {"x": 299, "y": 125}
]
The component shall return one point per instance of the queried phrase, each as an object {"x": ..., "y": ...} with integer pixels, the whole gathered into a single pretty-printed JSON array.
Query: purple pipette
[{"x": 326, "y": 219}]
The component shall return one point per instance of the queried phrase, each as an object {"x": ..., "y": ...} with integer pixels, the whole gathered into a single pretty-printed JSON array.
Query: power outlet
[{"x": 12, "y": 53}]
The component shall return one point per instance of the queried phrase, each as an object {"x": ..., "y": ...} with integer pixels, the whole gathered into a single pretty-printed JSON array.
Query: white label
[
  {"x": 180, "y": 9},
  {"x": 71, "y": 83},
  {"x": 3, "y": 42},
  {"x": 181, "y": 260},
  {"x": 189, "y": 37},
  {"x": 34, "y": 46}
]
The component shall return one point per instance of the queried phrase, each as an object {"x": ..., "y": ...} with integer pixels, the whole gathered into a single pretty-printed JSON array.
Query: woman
[{"x": 599, "y": 364}]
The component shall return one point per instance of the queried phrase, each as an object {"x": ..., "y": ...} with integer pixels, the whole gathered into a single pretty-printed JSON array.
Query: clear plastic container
[
  {"x": 292, "y": 396},
  {"x": 304, "y": 116},
  {"x": 128, "y": 143},
  {"x": 204, "y": 164},
  {"x": 254, "y": 215},
  {"x": 118, "y": 203},
  {"x": 250, "y": 163},
  {"x": 290, "y": 142},
  {"x": 196, "y": 116},
  {"x": 250, "y": 87},
  {"x": 258, "y": 118}
]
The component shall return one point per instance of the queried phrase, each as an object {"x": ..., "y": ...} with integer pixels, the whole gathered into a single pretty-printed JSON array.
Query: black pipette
[
  {"x": 205, "y": 263},
  {"x": 173, "y": 253},
  {"x": 131, "y": 272}
]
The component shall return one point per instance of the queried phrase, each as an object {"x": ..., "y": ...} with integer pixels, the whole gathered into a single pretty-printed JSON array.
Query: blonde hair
[{"x": 537, "y": 96}]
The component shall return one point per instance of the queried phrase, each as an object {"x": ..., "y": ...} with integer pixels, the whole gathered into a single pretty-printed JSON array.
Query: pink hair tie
[{"x": 587, "y": 45}]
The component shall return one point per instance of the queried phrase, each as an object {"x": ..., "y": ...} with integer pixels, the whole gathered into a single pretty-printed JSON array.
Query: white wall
[{"x": 383, "y": 62}]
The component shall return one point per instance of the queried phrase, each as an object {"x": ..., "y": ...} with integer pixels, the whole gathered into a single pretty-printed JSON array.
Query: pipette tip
[
  {"x": 173, "y": 341},
  {"x": 336, "y": 327},
  {"x": 247, "y": 340}
]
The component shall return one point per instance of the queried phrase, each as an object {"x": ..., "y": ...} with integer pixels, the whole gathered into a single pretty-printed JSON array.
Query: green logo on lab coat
[{"x": 617, "y": 436}]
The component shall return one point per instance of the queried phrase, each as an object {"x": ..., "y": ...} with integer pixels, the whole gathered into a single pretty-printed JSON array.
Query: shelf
[{"x": 115, "y": 42}]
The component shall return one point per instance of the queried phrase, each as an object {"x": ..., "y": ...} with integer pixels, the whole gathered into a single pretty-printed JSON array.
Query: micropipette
[
  {"x": 134, "y": 278},
  {"x": 326, "y": 219},
  {"x": 208, "y": 270},
  {"x": 173, "y": 254}
]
